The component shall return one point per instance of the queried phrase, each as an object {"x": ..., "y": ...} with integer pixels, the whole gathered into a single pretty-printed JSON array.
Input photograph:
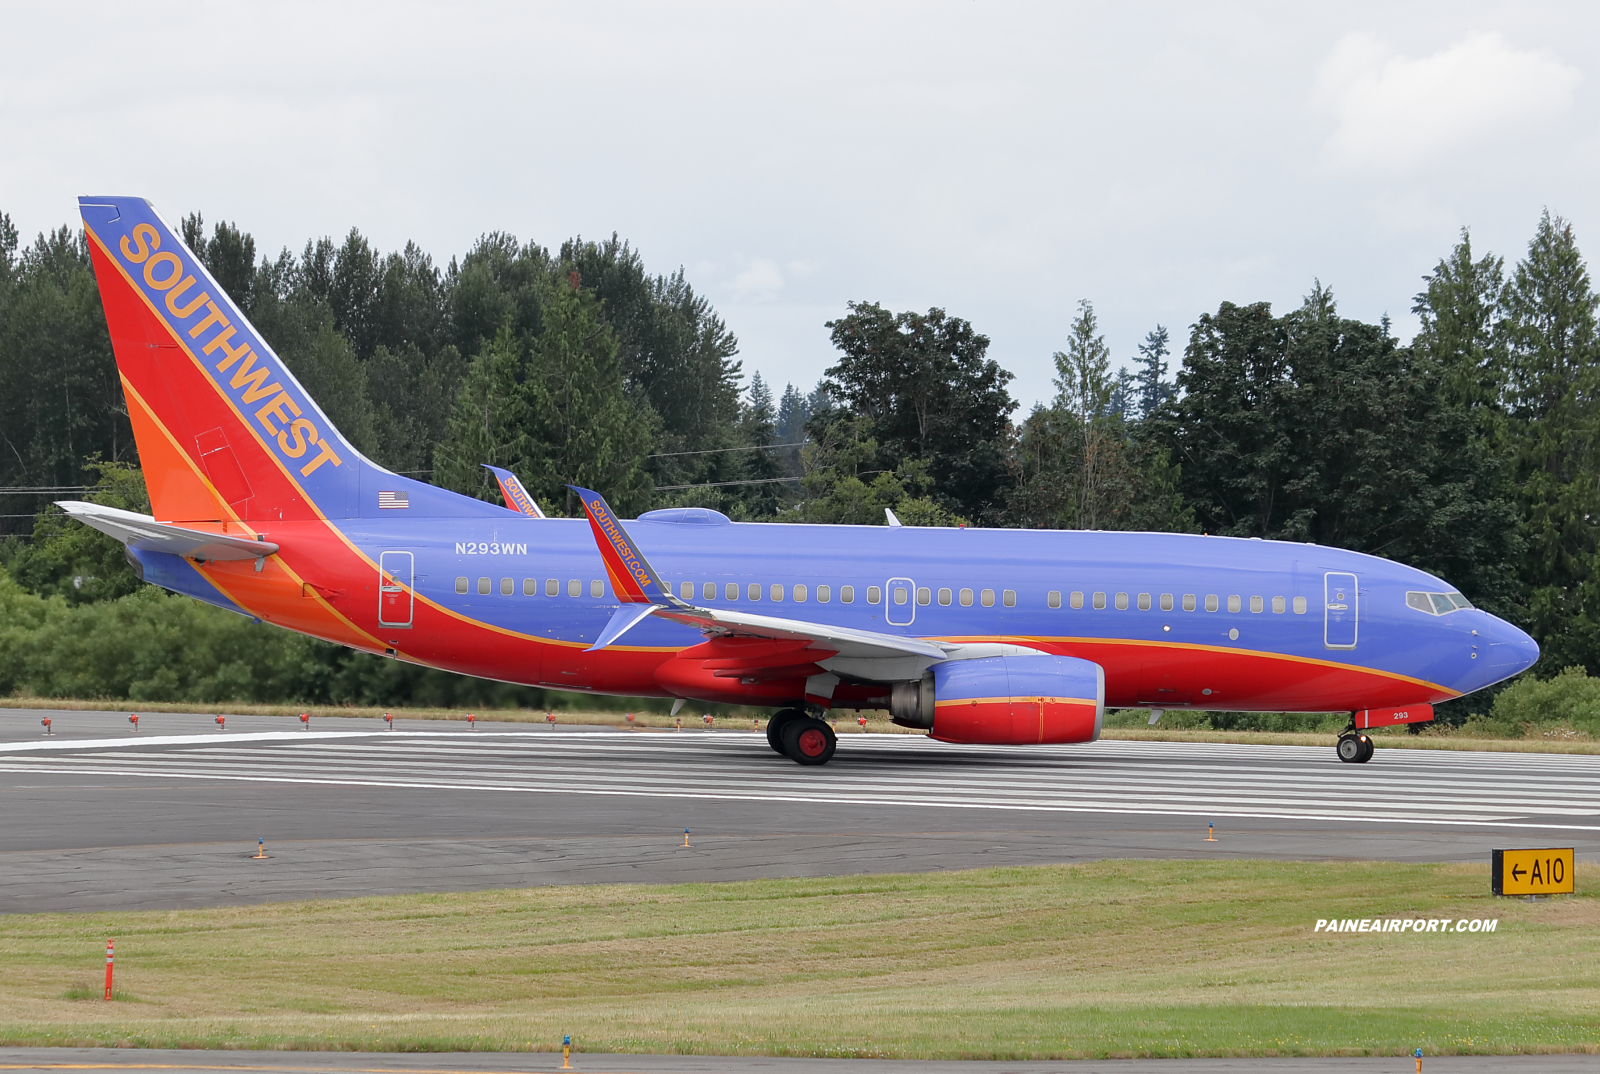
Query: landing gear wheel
[
  {"x": 775, "y": 725},
  {"x": 808, "y": 741},
  {"x": 1354, "y": 749}
]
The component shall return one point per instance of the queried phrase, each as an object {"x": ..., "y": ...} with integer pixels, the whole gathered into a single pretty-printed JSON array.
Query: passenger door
[{"x": 1341, "y": 610}]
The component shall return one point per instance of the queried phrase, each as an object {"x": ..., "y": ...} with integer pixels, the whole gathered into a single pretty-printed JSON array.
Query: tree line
[{"x": 1470, "y": 451}]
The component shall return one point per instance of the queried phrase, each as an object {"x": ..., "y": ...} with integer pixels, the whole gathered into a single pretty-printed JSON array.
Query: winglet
[
  {"x": 517, "y": 498},
  {"x": 632, "y": 579}
]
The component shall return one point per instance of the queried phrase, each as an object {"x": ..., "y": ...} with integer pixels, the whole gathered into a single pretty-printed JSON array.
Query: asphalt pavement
[{"x": 99, "y": 817}]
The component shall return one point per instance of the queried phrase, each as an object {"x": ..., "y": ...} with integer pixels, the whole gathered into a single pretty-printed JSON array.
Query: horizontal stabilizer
[{"x": 146, "y": 534}]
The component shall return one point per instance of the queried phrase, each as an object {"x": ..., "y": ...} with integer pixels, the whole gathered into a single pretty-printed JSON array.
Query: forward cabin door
[
  {"x": 394, "y": 589},
  {"x": 1341, "y": 610}
]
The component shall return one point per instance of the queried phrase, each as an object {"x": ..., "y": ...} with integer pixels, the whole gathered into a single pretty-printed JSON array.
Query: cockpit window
[{"x": 1436, "y": 603}]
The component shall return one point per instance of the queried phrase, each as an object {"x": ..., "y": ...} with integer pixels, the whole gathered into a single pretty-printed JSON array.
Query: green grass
[{"x": 1116, "y": 958}]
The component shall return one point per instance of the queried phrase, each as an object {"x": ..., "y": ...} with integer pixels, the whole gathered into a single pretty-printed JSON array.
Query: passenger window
[
  {"x": 753, "y": 591},
  {"x": 1299, "y": 605},
  {"x": 1053, "y": 598},
  {"x": 1144, "y": 602},
  {"x": 1188, "y": 602},
  {"x": 1121, "y": 602},
  {"x": 1099, "y": 601},
  {"x": 1278, "y": 605},
  {"x": 1076, "y": 600},
  {"x": 574, "y": 588},
  {"x": 552, "y": 587},
  {"x": 685, "y": 590},
  {"x": 986, "y": 598},
  {"x": 1234, "y": 603},
  {"x": 530, "y": 587},
  {"x": 730, "y": 591},
  {"x": 923, "y": 596},
  {"x": 597, "y": 588},
  {"x": 944, "y": 597},
  {"x": 1166, "y": 602},
  {"x": 775, "y": 592},
  {"x": 461, "y": 585},
  {"x": 1009, "y": 598},
  {"x": 1211, "y": 602},
  {"x": 874, "y": 594},
  {"x": 847, "y": 594},
  {"x": 824, "y": 594},
  {"x": 708, "y": 591},
  {"x": 966, "y": 598},
  {"x": 483, "y": 585},
  {"x": 800, "y": 594},
  {"x": 507, "y": 587},
  {"x": 901, "y": 594},
  {"x": 1256, "y": 605}
]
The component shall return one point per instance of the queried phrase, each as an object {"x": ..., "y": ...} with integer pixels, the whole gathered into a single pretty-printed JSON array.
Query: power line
[
  {"x": 719, "y": 484},
  {"x": 720, "y": 450},
  {"x": 41, "y": 490}
]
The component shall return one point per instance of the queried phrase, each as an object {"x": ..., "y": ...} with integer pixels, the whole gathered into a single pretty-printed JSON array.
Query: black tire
[
  {"x": 1367, "y": 746},
  {"x": 809, "y": 742},
  {"x": 775, "y": 724},
  {"x": 1350, "y": 749}
]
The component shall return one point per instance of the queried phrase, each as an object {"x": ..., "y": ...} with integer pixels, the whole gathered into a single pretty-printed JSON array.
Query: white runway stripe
[{"x": 1156, "y": 778}]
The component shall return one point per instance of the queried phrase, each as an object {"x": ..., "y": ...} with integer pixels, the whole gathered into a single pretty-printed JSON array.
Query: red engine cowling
[{"x": 1018, "y": 700}]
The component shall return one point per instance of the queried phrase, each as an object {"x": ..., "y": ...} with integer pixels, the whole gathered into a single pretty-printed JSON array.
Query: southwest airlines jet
[{"x": 978, "y": 636}]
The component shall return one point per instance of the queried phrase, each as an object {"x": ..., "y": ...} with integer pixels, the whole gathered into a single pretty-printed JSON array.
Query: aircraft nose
[{"x": 1511, "y": 651}]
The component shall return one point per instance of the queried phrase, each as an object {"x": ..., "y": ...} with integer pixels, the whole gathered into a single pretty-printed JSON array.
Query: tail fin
[{"x": 224, "y": 430}]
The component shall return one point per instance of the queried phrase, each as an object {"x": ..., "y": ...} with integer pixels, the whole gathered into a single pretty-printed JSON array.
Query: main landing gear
[
  {"x": 1353, "y": 747},
  {"x": 801, "y": 738}
]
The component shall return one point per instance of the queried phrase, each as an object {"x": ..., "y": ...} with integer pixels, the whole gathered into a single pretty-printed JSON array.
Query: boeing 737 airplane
[{"x": 979, "y": 636}]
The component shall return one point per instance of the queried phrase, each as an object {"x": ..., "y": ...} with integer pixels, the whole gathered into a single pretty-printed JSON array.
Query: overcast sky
[{"x": 1001, "y": 161}]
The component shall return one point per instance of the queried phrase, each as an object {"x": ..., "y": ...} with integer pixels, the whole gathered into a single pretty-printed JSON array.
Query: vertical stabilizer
[{"x": 225, "y": 432}]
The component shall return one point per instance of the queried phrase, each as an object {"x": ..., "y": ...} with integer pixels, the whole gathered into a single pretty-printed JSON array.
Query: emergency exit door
[
  {"x": 394, "y": 589},
  {"x": 1341, "y": 610}
]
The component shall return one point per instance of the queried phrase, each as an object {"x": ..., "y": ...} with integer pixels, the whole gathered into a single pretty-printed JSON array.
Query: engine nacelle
[{"x": 1013, "y": 700}]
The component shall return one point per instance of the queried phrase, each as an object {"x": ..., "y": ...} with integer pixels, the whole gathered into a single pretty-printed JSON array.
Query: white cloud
[
  {"x": 1397, "y": 112},
  {"x": 760, "y": 281}
]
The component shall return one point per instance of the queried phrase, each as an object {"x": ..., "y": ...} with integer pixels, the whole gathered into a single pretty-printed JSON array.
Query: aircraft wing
[
  {"x": 644, "y": 594},
  {"x": 844, "y": 641},
  {"x": 146, "y": 534}
]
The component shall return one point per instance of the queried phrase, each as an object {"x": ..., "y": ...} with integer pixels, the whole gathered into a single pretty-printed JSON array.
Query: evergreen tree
[
  {"x": 584, "y": 428},
  {"x": 1553, "y": 365},
  {"x": 489, "y": 424}
]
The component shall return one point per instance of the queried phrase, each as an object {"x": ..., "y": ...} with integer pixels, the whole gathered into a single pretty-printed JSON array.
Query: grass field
[
  {"x": 1434, "y": 738},
  {"x": 1115, "y": 958}
]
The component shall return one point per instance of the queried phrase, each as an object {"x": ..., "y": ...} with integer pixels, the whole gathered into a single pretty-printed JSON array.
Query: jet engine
[{"x": 1005, "y": 700}]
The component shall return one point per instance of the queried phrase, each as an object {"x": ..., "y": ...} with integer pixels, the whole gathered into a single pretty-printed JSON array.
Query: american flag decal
[{"x": 393, "y": 499}]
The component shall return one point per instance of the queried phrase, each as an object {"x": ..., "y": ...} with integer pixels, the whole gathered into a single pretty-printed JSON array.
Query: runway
[{"x": 99, "y": 817}]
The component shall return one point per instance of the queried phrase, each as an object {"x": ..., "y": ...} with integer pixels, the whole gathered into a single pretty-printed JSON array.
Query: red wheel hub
[{"x": 812, "y": 742}]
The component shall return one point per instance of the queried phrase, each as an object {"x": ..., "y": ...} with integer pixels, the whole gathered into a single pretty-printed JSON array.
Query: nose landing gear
[
  {"x": 1354, "y": 748},
  {"x": 801, "y": 738}
]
